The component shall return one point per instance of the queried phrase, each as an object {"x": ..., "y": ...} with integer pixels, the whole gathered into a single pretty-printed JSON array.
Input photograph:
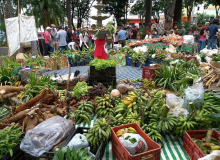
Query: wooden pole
[
  {"x": 19, "y": 21},
  {"x": 3, "y": 9}
]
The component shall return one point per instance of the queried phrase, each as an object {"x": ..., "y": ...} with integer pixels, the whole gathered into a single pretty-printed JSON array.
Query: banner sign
[
  {"x": 12, "y": 31},
  {"x": 28, "y": 31}
]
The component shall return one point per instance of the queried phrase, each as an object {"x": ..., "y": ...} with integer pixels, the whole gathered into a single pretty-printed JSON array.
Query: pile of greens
[
  {"x": 10, "y": 137},
  {"x": 67, "y": 154},
  {"x": 101, "y": 64},
  {"x": 177, "y": 77},
  {"x": 216, "y": 57},
  {"x": 81, "y": 89}
]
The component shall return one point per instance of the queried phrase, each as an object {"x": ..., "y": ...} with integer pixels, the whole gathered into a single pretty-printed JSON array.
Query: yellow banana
[
  {"x": 130, "y": 129},
  {"x": 130, "y": 105}
]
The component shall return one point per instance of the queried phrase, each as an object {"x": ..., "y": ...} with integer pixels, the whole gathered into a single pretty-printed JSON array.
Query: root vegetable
[
  {"x": 59, "y": 111},
  {"x": 17, "y": 117},
  {"x": 122, "y": 88},
  {"x": 48, "y": 99},
  {"x": 24, "y": 124},
  {"x": 115, "y": 93},
  {"x": 8, "y": 95},
  {"x": 32, "y": 122},
  {"x": 9, "y": 89},
  {"x": 47, "y": 115},
  {"x": 32, "y": 102}
]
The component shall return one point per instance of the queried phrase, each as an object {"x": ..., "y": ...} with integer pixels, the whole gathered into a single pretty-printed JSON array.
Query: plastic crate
[
  {"x": 128, "y": 61},
  {"x": 193, "y": 151},
  {"x": 121, "y": 153},
  {"x": 149, "y": 72},
  {"x": 48, "y": 155},
  {"x": 81, "y": 130}
]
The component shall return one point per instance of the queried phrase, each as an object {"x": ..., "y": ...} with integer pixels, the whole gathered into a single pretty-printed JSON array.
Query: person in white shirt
[
  {"x": 86, "y": 36},
  {"x": 81, "y": 40},
  {"x": 74, "y": 45},
  {"x": 171, "y": 33},
  {"x": 148, "y": 36}
]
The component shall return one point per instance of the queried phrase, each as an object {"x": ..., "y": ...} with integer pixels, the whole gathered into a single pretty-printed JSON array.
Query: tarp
[
  {"x": 12, "y": 31},
  {"x": 28, "y": 31}
]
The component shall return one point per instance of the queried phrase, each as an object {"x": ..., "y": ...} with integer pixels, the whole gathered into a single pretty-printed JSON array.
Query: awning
[{"x": 138, "y": 21}]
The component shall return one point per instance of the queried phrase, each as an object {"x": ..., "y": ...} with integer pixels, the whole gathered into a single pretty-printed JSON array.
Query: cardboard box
[{"x": 215, "y": 64}]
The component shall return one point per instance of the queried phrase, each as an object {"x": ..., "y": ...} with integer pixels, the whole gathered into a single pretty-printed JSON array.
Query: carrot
[
  {"x": 32, "y": 102},
  {"x": 17, "y": 117},
  {"x": 8, "y": 89}
]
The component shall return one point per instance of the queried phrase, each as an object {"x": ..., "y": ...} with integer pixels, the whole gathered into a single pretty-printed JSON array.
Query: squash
[{"x": 122, "y": 88}]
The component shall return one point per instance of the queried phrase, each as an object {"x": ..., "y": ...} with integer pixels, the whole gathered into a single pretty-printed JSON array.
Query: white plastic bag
[
  {"x": 194, "y": 94},
  {"x": 179, "y": 112},
  {"x": 215, "y": 155},
  {"x": 208, "y": 59},
  {"x": 173, "y": 101},
  {"x": 134, "y": 143},
  {"x": 188, "y": 39},
  {"x": 46, "y": 135},
  {"x": 78, "y": 141}
]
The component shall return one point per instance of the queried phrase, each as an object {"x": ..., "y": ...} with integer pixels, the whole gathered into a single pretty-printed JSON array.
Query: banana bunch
[
  {"x": 129, "y": 100},
  {"x": 104, "y": 106},
  {"x": 133, "y": 118},
  {"x": 158, "y": 94},
  {"x": 101, "y": 131},
  {"x": 84, "y": 112},
  {"x": 164, "y": 122},
  {"x": 18, "y": 83},
  {"x": 62, "y": 94},
  {"x": 211, "y": 102},
  {"x": 148, "y": 85},
  {"x": 122, "y": 131},
  {"x": 152, "y": 131}
]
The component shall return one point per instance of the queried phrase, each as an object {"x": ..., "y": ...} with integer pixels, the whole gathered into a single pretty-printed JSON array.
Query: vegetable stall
[{"x": 172, "y": 113}]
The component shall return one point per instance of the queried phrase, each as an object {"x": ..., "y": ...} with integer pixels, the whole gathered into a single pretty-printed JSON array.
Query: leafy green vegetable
[
  {"x": 66, "y": 154},
  {"x": 10, "y": 137},
  {"x": 81, "y": 89},
  {"x": 133, "y": 140},
  {"x": 216, "y": 57},
  {"x": 101, "y": 64}
]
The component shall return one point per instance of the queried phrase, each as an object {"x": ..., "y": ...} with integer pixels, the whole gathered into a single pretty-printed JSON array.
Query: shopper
[
  {"x": 121, "y": 36},
  {"x": 171, "y": 33},
  {"x": 148, "y": 36},
  {"x": 82, "y": 43},
  {"x": 202, "y": 38},
  {"x": 61, "y": 37},
  {"x": 53, "y": 33},
  {"x": 154, "y": 33},
  {"x": 213, "y": 29},
  {"x": 133, "y": 34},
  {"x": 48, "y": 41},
  {"x": 74, "y": 45},
  {"x": 194, "y": 33},
  {"x": 69, "y": 35},
  {"x": 183, "y": 30},
  {"x": 127, "y": 33},
  {"x": 86, "y": 36}
]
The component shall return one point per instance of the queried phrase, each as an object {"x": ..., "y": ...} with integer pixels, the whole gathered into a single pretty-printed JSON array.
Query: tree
[
  {"x": 138, "y": 9},
  {"x": 188, "y": 4},
  {"x": 116, "y": 8},
  {"x": 169, "y": 13},
  {"x": 148, "y": 13},
  {"x": 46, "y": 12},
  {"x": 178, "y": 13},
  {"x": 216, "y": 3},
  {"x": 159, "y": 6}
]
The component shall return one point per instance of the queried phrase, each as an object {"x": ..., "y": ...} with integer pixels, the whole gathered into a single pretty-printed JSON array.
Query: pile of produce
[
  {"x": 10, "y": 137},
  {"x": 101, "y": 64}
]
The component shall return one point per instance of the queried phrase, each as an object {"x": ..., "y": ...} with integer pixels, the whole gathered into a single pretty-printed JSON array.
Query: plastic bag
[
  {"x": 134, "y": 143},
  {"x": 173, "y": 101},
  {"x": 188, "y": 39},
  {"x": 179, "y": 112},
  {"x": 194, "y": 94},
  {"x": 208, "y": 59},
  {"x": 215, "y": 155},
  {"x": 78, "y": 141},
  {"x": 46, "y": 135}
]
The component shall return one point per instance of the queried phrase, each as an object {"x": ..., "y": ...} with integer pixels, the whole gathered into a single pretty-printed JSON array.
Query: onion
[{"x": 115, "y": 93}]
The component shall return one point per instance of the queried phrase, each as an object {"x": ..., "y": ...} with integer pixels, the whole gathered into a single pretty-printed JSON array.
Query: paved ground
[{"x": 122, "y": 73}]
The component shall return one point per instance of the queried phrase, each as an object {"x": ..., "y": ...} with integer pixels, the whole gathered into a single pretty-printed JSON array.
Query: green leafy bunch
[
  {"x": 81, "y": 89},
  {"x": 101, "y": 64},
  {"x": 67, "y": 154},
  {"x": 216, "y": 57},
  {"x": 10, "y": 137}
]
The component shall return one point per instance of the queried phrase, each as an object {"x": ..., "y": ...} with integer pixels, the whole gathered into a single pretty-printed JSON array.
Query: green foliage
[
  {"x": 2, "y": 35},
  {"x": 216, "y": 57},
  {"x": 101, "y": 64},
  {"x": 81, "y": 89},
  {"x": 202, "y": 18},
  {"x": 46, "y": 12},
  {"x": 110, "y": 27},
  {"x": 66, "y": 154},
  {"x": 10, "y": 137}
]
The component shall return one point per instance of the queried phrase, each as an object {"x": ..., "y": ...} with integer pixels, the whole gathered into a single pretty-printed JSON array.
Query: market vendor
[
  {"x": 74, "y": 45},
  {"x": 148, "y": 36}
]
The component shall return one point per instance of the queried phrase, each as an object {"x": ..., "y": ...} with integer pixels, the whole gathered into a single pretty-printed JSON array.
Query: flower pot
[
  {"x": 128, "y": 61},
  {"x": 138, "y": 64}
]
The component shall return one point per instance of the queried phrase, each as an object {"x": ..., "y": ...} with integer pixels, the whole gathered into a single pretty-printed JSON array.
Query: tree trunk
[
  {"x": 68, "y": 12},
  {"x": 169, "y": 14},
  {"x": 10, "y": 9},
  {"x": 189, "y": 12},
  {"x": 177, "y": 13},
  {"x": 148, "y": 13}
]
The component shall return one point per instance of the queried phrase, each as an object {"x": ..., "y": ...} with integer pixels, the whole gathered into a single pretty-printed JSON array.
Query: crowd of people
[{"x": 64, "y": 39}]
